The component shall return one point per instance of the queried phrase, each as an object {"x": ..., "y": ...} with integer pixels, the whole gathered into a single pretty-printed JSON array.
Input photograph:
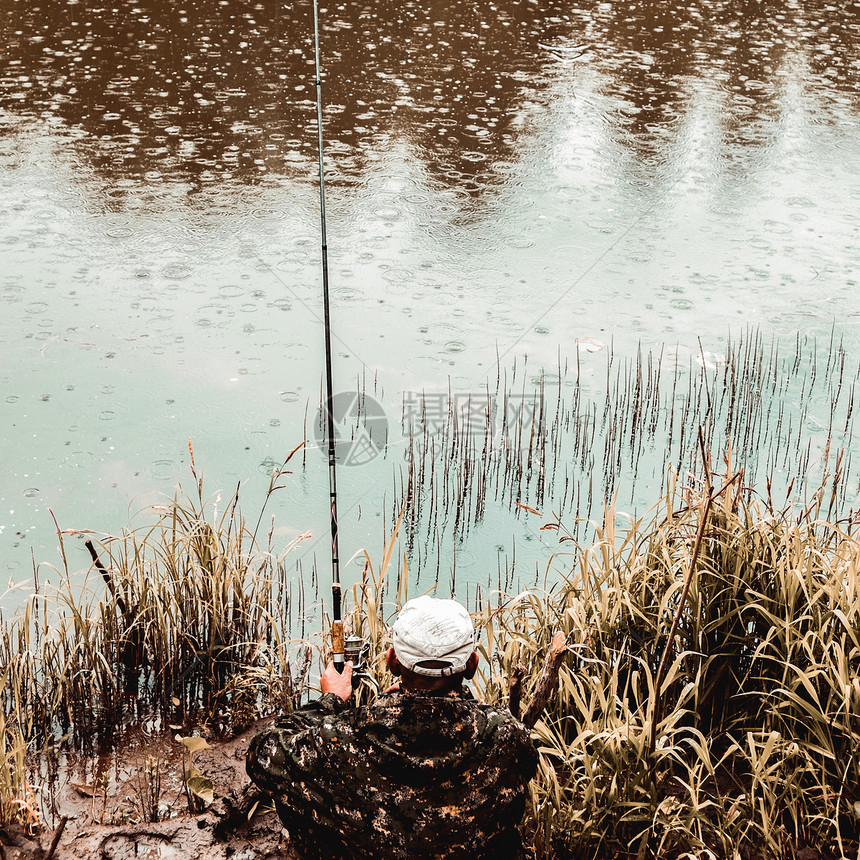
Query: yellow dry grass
[{"x": 750, "y": 749}]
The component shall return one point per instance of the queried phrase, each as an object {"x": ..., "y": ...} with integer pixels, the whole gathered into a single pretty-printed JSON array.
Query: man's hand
[{"x": 332, "y": 681}]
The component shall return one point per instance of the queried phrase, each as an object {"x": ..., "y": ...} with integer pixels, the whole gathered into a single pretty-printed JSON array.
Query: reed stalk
[{"x": 754, "y": 753}]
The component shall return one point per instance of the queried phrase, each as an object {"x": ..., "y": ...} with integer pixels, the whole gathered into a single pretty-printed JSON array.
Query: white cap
[{"x": 433, "y": 637}]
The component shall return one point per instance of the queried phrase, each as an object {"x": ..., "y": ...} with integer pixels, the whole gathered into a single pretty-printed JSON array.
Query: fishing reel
[{"x": 356, "y": 651}]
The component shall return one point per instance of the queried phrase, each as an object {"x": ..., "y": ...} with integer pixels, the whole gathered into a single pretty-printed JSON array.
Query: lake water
[{"x": 512, "y": 187}]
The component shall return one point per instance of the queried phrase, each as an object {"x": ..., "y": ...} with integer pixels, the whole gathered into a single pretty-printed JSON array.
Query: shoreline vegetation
[{"x": 708, "y": 705}]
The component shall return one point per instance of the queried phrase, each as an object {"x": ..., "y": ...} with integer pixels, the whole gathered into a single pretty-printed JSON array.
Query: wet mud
[{"x": 224, "y": 830}]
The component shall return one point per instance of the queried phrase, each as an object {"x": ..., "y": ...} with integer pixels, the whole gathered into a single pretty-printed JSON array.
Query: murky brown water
[
  {"x": 505, "y": 178},
  {"x": 216, "y": 92}
]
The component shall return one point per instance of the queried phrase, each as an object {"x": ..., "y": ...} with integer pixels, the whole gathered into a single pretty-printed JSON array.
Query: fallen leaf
[
  {"x": 193, "y": 743},
  {"x": 201, "y": 786}
]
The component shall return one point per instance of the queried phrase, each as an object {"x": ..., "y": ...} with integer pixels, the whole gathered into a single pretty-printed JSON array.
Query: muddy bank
[
  {"x": 222, "y": 831},
  {"x": 190, "y": 838}
]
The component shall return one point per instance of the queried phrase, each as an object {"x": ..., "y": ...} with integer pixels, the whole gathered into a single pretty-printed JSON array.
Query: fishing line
[
  {"x": 606, "y": 251},
  {"x": 337, "y": 638}
]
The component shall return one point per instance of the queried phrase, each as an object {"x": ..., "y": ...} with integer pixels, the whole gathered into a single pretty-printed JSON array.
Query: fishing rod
[
  {"x": 337, "y": 634},
  {"x": 352, "y": 648}
]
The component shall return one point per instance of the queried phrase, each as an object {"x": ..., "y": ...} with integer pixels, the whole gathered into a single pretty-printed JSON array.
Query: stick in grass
[
  {"x": 516, "y": 691},
  {"x": 547, "y": 681},
  {"x": 57, "y": 835},
  {"x": 105, "y": 575},
  {"x": 710, "y": 496}
]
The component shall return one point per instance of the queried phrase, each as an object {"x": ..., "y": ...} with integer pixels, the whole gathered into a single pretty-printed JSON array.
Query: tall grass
[
  {"x": 752, "y": 747},
  {"x": 17, "y": 805},
  {"x": 184, "y": 620},
  {"x": 749, "y": 749}
]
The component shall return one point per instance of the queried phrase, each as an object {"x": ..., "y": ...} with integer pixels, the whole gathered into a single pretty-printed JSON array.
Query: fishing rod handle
[{"x": 337, "y": 645}]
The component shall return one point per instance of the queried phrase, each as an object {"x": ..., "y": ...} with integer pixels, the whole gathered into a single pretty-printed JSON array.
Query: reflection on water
[
  {"x": 213, "y": 92},
  {"x": 208, "y": 92},
  {"x": 508, "y": 179}
]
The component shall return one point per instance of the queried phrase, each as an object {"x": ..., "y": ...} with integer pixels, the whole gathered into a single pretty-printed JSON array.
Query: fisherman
[{"x": 425, "y": 771}]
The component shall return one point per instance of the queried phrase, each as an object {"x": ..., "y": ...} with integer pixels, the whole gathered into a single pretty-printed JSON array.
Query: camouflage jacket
[{"x": 408, "y": 776}]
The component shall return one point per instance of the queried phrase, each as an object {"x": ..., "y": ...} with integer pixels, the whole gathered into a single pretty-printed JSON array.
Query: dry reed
[
  {"x": 185, "y": 620},
  {"x": 752, "y": 749},
  {"x": 749, "y": 749}
]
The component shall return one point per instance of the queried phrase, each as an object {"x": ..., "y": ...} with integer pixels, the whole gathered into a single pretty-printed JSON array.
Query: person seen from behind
[{"x": 424, "y": 771}]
